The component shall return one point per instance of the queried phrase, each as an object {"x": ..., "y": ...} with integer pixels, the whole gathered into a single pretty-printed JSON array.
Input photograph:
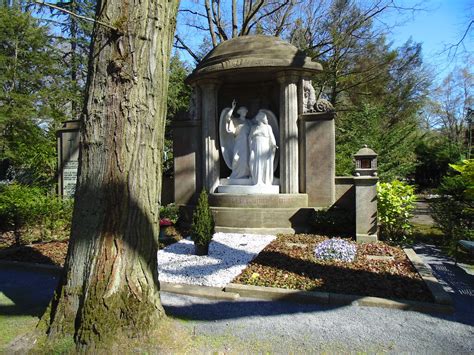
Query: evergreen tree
[
  {"x": 31, "y": 100},
  {"x": 178, "y": 101},
  {"x": 202, "y": 228},
  {"x": 394, "y": 143}
]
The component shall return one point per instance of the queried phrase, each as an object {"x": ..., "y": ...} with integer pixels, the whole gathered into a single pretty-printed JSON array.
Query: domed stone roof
[
  {"x": 252, "y": 53},
  {"x": 365, "y": 152}
]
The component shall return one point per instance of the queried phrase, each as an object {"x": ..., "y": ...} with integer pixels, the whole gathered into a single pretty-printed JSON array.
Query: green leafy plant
[
  {"x": 395, "y": 202},
  {"x": 202, "y": 227},
  {"x": 32, "y": 215},
  {"x": 19, "y": 207},
  {"x": 466, "y": 170},
  {"x": 454, "y": 211},
  {"x": 56, "y": 217}
]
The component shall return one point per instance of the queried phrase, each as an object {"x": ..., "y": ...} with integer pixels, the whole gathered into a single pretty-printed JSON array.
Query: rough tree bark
[{"x": 110, "y": 281}]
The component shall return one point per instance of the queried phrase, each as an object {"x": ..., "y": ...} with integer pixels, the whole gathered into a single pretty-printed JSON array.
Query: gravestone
[
  {"x": 68, "y": 157},
  {"x": 262, "y": 142}
]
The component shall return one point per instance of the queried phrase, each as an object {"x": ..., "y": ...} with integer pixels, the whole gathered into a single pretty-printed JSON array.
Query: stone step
[
  {"x": 286, "y": 218},
  {"x": 259, "y": 200},
  {"x": 261, "y": 231}
]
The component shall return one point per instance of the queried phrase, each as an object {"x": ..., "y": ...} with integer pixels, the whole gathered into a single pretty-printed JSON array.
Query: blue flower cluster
[{"x": 335, "y": 249}]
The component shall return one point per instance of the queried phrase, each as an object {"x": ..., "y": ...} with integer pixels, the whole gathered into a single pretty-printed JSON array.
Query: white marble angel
[
  {"x": 239, "y": 127},
  {"x": 234, "y": 140},
  {"x": 262, "y": 145}
]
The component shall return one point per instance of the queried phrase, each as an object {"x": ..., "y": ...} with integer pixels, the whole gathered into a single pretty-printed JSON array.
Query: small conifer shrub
[{"x": 202, "y": 228}]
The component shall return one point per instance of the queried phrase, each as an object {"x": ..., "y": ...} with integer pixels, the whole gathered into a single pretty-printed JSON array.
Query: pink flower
[{"x": 165, "y": 222}]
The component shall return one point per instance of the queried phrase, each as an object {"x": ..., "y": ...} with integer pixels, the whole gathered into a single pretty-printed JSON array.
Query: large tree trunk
[{"x": 110, "y": 282}]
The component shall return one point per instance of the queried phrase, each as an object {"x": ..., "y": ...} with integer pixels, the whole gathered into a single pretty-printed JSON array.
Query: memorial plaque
[{"x": 68, "y": 158}]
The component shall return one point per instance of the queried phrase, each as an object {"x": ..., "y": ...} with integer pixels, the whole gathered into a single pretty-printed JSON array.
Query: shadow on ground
[{"x": 26, "y": 290}]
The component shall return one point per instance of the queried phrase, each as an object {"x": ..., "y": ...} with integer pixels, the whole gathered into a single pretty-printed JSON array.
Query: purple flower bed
[{"x": 335, "y": 249}]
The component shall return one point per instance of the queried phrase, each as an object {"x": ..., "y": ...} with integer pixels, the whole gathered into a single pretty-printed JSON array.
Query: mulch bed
[
  {"x": 50, "y": 253},
  {"x": 289, "y": 262}
]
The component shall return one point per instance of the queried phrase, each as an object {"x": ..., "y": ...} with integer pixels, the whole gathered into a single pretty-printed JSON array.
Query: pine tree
[
  {"x": 31, "y": 99},
  {"x": 202, "y": 228}
]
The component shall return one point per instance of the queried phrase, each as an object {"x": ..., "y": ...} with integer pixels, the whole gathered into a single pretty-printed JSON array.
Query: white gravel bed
[{"x": 229, "y": 254}]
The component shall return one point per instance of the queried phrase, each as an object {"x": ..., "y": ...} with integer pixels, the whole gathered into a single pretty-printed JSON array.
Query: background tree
[
  {"x": 450, "y": 102},
  {"x": 31, "y": 100},
  {"x": 177, "y": 101},
  {"x": 72, "y": 42},
  {"x": 109, "y": 285}
]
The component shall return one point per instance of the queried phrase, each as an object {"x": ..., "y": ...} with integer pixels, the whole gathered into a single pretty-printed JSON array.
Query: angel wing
[
  {"x": 226, "y": 139},
  {"x": 273, "y": 122}
]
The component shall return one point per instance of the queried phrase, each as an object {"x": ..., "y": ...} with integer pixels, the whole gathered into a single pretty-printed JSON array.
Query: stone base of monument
[
  {"x": 245, "y": 186},
  {"x": 260, "y": 213}
]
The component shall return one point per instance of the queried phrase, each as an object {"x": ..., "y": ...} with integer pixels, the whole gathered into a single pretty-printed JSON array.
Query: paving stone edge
[{"x": 439, "y": 294}]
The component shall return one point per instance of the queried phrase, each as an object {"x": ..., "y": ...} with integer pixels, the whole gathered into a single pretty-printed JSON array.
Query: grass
[{"x": 13, "y": 325}]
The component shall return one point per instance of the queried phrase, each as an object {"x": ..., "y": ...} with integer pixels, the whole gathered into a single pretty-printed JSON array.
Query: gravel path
[
  {"x": 255, "y": 326},
  {"x": 229, "y": 254}
]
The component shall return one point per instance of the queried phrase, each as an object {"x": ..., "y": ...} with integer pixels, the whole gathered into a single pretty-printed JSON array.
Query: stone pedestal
[
  {"x": 318, "y": 158},
  {"x": 187, "y": 161},
  {"x": 245, "y": 186},
  {"x": 68, "y": 157},
  {"x": 211, "y": 168},
  {"x": 289, "y": 133},
  {"x": 366, "y": 208}
]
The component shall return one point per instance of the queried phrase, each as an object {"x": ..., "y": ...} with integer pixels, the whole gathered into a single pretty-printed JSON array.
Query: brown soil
[{"x": 289, "y": 262}]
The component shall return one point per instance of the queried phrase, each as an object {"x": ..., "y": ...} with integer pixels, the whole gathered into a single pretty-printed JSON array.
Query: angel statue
[
  {"x": 242, "y": 138},
  {"x": 263, "y": 146},
  {"x": 239, "y": 127}
]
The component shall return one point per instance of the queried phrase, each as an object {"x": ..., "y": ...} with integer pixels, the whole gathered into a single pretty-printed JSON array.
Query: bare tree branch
[
  {"x": 276, "y": 9},
  {"x": 192, "y": 12},
  {"x": 456, "y": 46},
  {"x": 185, "y": 47},
  {"x": 252, "y": 11},
  {"x": 234, "y": 18},
  {"x": 216, "y": 11},
  {"x": 210, "y": 23},
  {"x": 42, "y": 3}
]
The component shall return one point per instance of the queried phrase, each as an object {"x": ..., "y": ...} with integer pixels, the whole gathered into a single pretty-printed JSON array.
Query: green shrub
[
  {"x": 454, "y": 211},
  {"x": 19, "y": 207},
  {"x": 202, "y": 227},
  {"x": 170, "y": 212},
  {"x": 56, "y": 218},
  {"x": 32, "y": 215},
  {"x": 395, "y": 202}
]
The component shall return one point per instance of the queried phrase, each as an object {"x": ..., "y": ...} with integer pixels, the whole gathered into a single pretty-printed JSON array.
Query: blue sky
[{"x": 440, "y": 24}]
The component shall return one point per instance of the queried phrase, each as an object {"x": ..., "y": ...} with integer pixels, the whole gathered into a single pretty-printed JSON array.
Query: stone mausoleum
[{"x": 262, "y": 143}]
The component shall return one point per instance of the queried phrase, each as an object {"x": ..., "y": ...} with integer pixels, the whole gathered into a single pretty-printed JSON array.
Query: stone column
[
  {"x": 210, "y": 159},
  {"x": 289, "y": 133},
  {"x": 366, "y": 208},
  {"x": 318, "y": 158}
]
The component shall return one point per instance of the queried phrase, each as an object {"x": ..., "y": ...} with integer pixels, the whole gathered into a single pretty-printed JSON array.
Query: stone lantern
[{"x": 366, "y": 162}]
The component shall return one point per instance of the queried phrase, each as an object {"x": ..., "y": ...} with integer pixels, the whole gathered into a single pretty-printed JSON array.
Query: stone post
[
  {"x": 210, "y": 159},
  {"x": 366, "y": 208},
  {"x": 289, "y": 174},
  {"x": 68, "y": 157}
]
